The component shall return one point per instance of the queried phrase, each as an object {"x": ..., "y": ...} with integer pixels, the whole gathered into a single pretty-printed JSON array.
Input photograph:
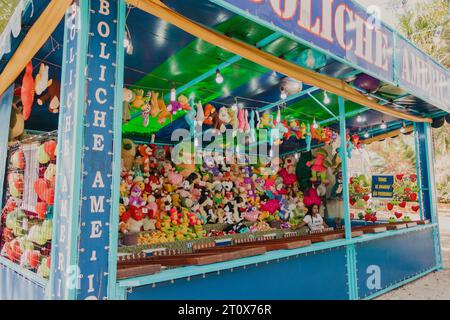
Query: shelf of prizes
[{"x": 197, "y": 145}]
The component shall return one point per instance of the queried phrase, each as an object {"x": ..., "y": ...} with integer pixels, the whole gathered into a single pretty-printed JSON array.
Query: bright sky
[{"x": 389, "y": 9}]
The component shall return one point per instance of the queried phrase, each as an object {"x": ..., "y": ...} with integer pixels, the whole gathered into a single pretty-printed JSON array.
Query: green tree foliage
[{"x": 428, "y": 26}]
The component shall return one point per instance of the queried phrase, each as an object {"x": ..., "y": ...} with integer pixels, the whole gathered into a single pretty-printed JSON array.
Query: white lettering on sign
[
  {"x": 104, "y": 8},
  {"x": 91, "y": 283},
  {"x": 374, "y": 279},
  {"x": 98, "y": 142},
  {"x": 99, "y": 119},
  {"x": 96, "y": 232},
  {"x": 362, "y": 36},
  {"x": 97, "y": 95},
  {"x": 419, "y": 73},
  {"x": 97, "y": 203},
  {"x": 98, "y": 181}
]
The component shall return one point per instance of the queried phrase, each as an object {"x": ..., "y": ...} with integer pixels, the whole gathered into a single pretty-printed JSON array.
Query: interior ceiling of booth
[{"x": 165, "y": 55}]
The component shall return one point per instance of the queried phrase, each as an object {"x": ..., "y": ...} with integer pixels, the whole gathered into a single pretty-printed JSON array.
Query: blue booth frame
[{"x": 351, "y": 268}]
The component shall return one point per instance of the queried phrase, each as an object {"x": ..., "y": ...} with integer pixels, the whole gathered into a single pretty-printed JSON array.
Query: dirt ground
[{"x": 435, "y": 286}]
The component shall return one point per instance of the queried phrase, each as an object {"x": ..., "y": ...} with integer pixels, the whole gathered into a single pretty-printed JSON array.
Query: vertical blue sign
[
  {"x": 63, "y": 276},
  {"x": 6, "y": 100},
  {"x": 98, "y": 151}
]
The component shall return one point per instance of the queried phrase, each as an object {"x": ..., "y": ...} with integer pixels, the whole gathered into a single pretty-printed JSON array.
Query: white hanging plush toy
[
  {"x": 128, "y": 97},
  {"x": 42, "y": 82}
]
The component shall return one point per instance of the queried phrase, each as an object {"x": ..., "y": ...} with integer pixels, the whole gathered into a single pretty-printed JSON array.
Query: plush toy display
[
  {"x": 27, "y": 213},
  {"x": 169, "y": 202}
]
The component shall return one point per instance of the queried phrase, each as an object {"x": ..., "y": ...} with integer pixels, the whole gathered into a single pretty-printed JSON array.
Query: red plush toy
[{"x": 27, "y": 91}]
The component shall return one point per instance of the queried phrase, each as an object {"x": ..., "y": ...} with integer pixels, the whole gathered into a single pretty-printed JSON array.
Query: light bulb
[
  {"x": 366, "y": 135},
  {"x": 219, "y": 77},
  {"x": 383, "y": 125},
  {"x": 283, "y": 94},
  {"x": 173, "y": 94},
  {"x": 326, "y": 98},
  {"x": 296, "y": 156},
  {"x": 359, "y": 119}
]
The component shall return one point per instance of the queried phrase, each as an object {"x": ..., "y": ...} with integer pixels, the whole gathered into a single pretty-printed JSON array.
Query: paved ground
[{"x": 435, "y": 286}]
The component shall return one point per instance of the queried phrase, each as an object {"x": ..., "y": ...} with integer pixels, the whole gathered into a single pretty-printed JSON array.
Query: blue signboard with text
[
  {"x": 96, "y": 189},
  {"x": 338, "y": 27},
  {"x": 382, "y": 186},
  {"x": 63, "y": 280}
]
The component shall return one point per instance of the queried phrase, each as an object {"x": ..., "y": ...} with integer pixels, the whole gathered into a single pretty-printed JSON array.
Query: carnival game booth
[{"x": 206, "y": 131}]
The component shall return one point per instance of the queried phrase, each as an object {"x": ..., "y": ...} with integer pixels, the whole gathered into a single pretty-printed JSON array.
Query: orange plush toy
[{"x": 27, "y": 91}]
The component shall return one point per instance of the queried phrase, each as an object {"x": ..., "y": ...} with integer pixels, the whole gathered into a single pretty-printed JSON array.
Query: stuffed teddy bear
[
  {"x": 164, "y": 114},
  {"x": 127, "y": 99},
  {"x": 209, "y": 113},
  {"x": 52, "y": 96},
  {"x": 221, "y": 119},
  {"x": 138, "y": 101},
  {"x": 128, "y": 153}
]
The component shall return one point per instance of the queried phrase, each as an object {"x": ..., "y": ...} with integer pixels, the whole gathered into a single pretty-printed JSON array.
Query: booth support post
[
  {"x": 350, "y": 248},
  {"x": 117, "y": 147},
  {"x": 425, "y": 159},
  {"x": 82, "y": 250}
]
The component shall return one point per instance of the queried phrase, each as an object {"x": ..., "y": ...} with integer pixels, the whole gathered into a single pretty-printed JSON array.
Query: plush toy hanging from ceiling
[
  {"x": 164, "y": 114},
  {"x": 27, "y": 91},
  {"x": 243, "y": 124},
  {"x": 145, "y": 111},
  {"x": 319, "y": 166},
  {"x": 191, "y": 116},
  {"x": 308, "y": 137},
  {"x": 42, "y": 82},
  {"x": 52, "y": 96},
  {"x": 128, "y": 97},
  {"x": 278, "y": 131}
]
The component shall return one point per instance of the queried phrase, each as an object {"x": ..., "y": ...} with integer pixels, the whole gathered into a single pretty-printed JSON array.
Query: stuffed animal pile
[
  {"x": 173, "y": 202},
  {"x": 27, "y": 220}
]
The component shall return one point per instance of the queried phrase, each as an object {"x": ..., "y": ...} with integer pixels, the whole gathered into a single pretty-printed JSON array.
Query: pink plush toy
[
  {"x": 311, "y": 198},
  {"x": 288, "y": 178},
  {"x": 243, "y": 126},
  {"x": 319, "y": 166},
  {"x": 271, "y": 206}
]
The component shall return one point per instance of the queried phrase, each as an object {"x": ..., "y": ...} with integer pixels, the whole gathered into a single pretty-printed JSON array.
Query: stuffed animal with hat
[{"x": 319, "y": 166}]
